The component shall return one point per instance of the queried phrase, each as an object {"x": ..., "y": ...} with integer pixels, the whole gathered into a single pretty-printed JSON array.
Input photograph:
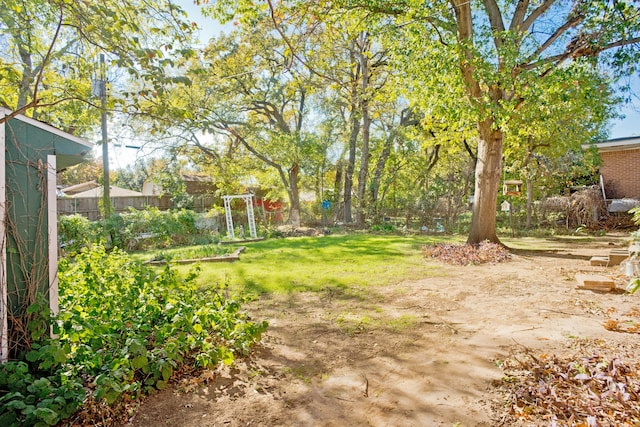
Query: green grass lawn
[{"x": 313, "y": 263}]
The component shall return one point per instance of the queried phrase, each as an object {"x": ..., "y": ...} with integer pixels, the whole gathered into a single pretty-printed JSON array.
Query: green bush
[
  {"x": 157, "y": 228},
  {"x": 37, "y": 399},
  {"x": 123, "y": 329},
  {"x": 383, "y": 228},
  {"x": 76, "y": 232},
  {"x": 137, "y": 229}
]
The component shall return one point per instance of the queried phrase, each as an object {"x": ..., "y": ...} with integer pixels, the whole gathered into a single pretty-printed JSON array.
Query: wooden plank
[
  {"x": 595, "y": 282},
  {"x": 599, "y": 261},
  {"x": 621, "y": 252},
  {"x": 616, "y": 256}
]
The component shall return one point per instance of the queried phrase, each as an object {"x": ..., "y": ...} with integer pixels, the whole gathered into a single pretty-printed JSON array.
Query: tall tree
[
  {"x": 246, "y": 91},
  {"x": 500, "y": 49},
  {"x": 51, "y": 48}
]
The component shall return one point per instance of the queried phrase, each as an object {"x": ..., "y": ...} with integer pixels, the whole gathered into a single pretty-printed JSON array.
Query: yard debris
[
  {"x": 583, "y": 208},
  {"x": 615, "y": 257},
  {"x": 629, "y": 323},
  {"x": 485, "y": 252},
  {"x": 597, "y": 386}
]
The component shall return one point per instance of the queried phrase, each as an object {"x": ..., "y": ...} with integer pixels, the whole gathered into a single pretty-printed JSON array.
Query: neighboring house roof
[
  {"x": 113, "y": 192},
  {"x": 78, "y": 188},
  {"x": 195, "y": 184},
  {"x": 196, "y": 178},
  {"x": 617, "y": 144}
]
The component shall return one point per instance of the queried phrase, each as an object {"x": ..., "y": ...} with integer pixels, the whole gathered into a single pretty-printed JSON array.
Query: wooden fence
[{"x": 89, "y": 206}]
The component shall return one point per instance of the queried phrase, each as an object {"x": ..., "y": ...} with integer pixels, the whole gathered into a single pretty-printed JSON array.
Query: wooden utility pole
[{"x": 102, "y": 85}]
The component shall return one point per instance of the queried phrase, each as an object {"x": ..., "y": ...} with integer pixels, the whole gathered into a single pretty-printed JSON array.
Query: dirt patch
[{"x": 413, "y": 354}]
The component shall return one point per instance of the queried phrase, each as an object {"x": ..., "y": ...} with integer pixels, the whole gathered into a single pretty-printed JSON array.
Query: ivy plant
[{"x": 123, "y": 329}]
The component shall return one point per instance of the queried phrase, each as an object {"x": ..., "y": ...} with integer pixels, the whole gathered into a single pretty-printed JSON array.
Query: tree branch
[
  {"x": 559, "y": 32},
  {"x": 301, "y": 110},
  {"x": 495, "y": 19},
  {"x": 293, "y": 50},
  {"x": 206, "y": 150},
  {"x": 536, "y": 14},
  {"x": 577, "y": 50},
  {"x": 34, "y": 100},
  {"x": 518, "y": 15},
  {"x": 474, "y": 156},
  {"x": 464, "y": 21},
  {"x": 433, "y": 158}
]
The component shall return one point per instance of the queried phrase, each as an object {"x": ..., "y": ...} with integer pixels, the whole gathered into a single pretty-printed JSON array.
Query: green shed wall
[{"x": 26, "y": 217}]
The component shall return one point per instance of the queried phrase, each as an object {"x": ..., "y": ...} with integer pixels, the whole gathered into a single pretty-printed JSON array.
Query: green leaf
[
  {"x": 139, "y": 362},
  {"x": 9, "y": 419},
  {"x": 136, "y": 347},
  {"x": 59, "y": 355},
  {"x": 33, "y": 356},
  {"x": 16, "y": 404},
  {"x": 166, "y": 372},
  {"x": 48, "y": 416}
]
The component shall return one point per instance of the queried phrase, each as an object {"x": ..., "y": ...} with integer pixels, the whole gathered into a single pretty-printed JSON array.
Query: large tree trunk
[
  {"x": 364, "y": 167},
  {"x": 488, "y": 169},
  {"x": 337, "y": 189},
  {"x": 377, "y": 174},
  {"x": 351, "y": 163},
  {"x": 363, "y": 175},
  {"x": 28, "y": 76},
  {"x": 529, "y": 199},
  {"x": 407, "y": 118},
  {"x": 294, "y": 196},
  {"x": 354, "y": 124}
]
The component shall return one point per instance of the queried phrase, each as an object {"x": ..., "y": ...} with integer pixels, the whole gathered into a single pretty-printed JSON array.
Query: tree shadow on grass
[{"x": 362, "y": 245}]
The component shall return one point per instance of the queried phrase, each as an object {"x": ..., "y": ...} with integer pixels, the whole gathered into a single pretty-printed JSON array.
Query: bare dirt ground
[{"x": 416, "y": 353}]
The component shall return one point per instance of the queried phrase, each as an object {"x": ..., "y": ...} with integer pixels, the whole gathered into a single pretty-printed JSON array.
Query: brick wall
[{"x": 621, "y": 173}]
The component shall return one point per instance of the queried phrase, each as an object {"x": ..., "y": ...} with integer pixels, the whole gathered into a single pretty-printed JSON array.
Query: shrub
[
  {"x": 138, "y": 229},
  {"x": 37, "y": 398},
  {"x": 76, "y": 232},
  {"x": 123, "y": 330},
  {"x": 383, "y": 228},
  {"x": 162, "y": 227}
]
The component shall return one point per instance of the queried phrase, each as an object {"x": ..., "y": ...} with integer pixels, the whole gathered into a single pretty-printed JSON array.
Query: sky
[{"x": 630, "y": 125}]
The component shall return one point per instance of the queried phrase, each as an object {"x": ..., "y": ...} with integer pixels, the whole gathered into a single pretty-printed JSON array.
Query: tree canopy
[
  {"x": 372, "y": 104},
  {"x": 51, "y": 50}
]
